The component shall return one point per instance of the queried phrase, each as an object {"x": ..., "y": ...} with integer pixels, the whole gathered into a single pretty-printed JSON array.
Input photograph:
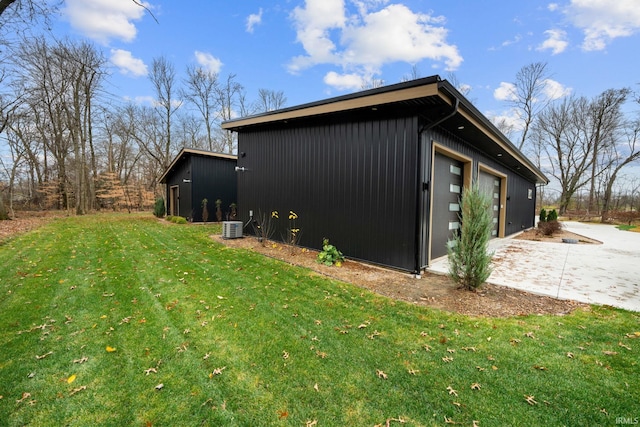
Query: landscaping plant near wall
[
  {"x": 469, "y": 259},
  {"x": 548, "y": 223}
]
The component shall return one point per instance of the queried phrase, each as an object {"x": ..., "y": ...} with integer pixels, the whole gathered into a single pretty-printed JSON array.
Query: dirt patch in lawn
[{"x": 431, "y": 290}]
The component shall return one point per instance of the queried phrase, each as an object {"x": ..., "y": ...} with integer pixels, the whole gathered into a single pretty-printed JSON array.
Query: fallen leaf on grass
[
  {"x": 541, "y": 368},
  {"x": 452, "y": 391},
  {"x": 475, "y": 386},
  {"x": 447, "y": 359},
  {"x": 381, "y": 374},
  {"x": 570, "y": 355},
  {"x": 217, "y": 371},
  {"x": 609, "y": 353},
  {"x": 282, "y": 414},
  {"x": 449, "y": 420},
  {"x": 150, "y": 370},
  {"x": 624, "y": 346},
  {"x": 44, "y": 355},
  {"x": 159, "y": 386},
  {"x": 110, "y": 349},
  {"x": 81, "y": 360},
  {"x": 285, "y": 355},
  {"x": 25, "y": 396},
  {"x": 76, "y": 390},
  {"x": 413, "y": 371},
  {"x": 315, "y": 387},
  {"x": 530, "y": 400},
  {"x": 71, "y": 379},
  {"x": 310, "y": 423},
  {"x": 373, "y": 335}
]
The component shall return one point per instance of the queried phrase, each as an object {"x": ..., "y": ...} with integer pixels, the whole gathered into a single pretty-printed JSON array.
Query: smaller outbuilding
[{"x": 195, "y": 175}]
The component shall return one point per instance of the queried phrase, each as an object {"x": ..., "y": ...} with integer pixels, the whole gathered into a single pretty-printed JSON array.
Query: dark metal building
[
  {"x": 195, "y": 175},
  {"x": 380, "y": 172}
]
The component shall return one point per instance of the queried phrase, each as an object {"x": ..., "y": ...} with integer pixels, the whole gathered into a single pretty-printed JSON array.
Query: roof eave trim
[{"x": 337, "y": 105}]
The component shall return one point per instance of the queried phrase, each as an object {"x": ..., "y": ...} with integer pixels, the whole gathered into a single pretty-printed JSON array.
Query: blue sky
[{"x": 314, "y": 49}]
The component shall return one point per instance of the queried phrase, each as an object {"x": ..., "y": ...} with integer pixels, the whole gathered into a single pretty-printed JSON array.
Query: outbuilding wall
[
  {"x": 177, "y": 177},
  {"x": 199, "y": 177},
  {"x": 213, "y": 178},
  {"x": 354, "y": 183}
]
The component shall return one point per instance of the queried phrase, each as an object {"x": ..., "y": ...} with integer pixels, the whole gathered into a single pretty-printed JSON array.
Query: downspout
[{"x": 425, "y": 186}]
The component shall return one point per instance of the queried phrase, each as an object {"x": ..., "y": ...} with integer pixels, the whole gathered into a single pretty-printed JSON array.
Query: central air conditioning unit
[{"x": 231, "y": 229}]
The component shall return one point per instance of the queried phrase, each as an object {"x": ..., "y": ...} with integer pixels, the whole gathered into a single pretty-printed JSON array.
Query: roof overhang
[
  {"x": 193, "y": 151},
  {"x": 430, "y": 98}
]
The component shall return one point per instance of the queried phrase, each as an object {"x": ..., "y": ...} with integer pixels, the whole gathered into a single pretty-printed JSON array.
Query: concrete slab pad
[{"x": 606, "y": 274}]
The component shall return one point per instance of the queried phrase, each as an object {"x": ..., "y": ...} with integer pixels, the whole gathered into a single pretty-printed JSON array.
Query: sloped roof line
[
  {"x": 196, "y": 151},
  {"x": 432, "y": 86}
]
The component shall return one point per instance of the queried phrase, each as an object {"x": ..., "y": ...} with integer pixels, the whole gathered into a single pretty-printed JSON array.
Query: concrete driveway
[{"x": 606, "y": 274}]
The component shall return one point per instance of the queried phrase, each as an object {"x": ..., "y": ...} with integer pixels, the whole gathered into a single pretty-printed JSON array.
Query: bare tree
[
  {"x": 414, "y": 74},
  {"x": 528, "y": 96},
  {"x": 559, "y": 133},
  {"x": 618, "y": 156},
  {"x": 231, "y": 100},
  {"x": 163, "y": 78},
  {"x": 371, "y": 83},
  {"x": 270, "y": 100},
  {"x": 604, "y": 121},
  {"x": 201, "y": 90}
]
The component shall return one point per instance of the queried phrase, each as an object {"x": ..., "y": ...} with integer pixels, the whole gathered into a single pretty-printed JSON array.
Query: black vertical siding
[
  {"x": 354, "y": 183},
  {"x": 213, "y": 178}
]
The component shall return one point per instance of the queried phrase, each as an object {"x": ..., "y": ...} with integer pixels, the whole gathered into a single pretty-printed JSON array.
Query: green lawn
[{"x": 126, "y": 320}]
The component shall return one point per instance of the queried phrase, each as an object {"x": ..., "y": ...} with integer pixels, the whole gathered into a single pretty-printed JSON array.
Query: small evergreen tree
[
  {"x": 205, "y": 211},
  {"x": 158, "y": 208},
  {"x": 469, "y": 259},
  {"x": 543, "y": 215}
]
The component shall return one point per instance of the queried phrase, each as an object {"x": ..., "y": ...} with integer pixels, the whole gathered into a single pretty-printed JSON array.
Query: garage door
[
  {"x": 490, "y": 185},
  {"x": 447, "y": 190}
]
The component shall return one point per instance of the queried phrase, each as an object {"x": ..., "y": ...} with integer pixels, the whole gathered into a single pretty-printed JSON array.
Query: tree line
[
  {"x": 70, "y": 145},
  {"x": 584, "y": 144}
]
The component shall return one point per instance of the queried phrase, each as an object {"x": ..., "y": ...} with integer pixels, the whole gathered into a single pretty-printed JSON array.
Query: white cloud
[
  {"x": 141, "y": 100},
  {"x": 509, "y": 122},
  {"x": 344, "y": 81},
  {"x": 127, "y": 63},
  {"x": 602, "y": 21},
  {"x": 515, "y": 40},
  {"x": 363, "y": 41},
  {"x": 102, "y": 20},
  {"x": 208, "y": 62},
  {"x": 505, "y": 92},
  {"x": 253, "y": 20},
  {"x": 553, "y": 90},
  {"x": 556, "y": 42}
]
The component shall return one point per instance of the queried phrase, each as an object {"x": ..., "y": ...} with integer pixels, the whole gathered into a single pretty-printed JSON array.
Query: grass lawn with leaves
[{"x": 126, "y": 320}]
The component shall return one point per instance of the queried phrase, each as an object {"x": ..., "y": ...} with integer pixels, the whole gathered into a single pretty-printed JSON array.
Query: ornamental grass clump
[{"x": 469, "y": 258}]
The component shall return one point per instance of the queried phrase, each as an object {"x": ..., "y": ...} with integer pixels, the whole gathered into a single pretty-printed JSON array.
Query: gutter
[{"x": 422, "y": 187}]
